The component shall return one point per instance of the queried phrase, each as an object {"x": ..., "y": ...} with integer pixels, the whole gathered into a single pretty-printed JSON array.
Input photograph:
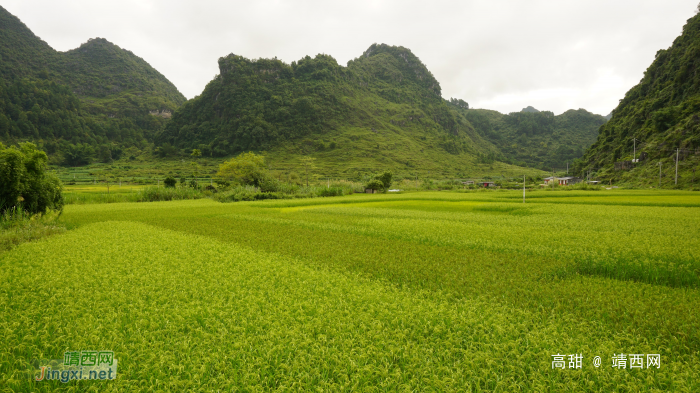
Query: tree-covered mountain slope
[
  {"x": 22, "y": 53},
  {"x": 660, "y": 114},
  {"x": 122, "y": 83},
  {"x": 384, "y": 110},
  {"x": 90, "y": 103},
  {"x": 537, "y": 138}
]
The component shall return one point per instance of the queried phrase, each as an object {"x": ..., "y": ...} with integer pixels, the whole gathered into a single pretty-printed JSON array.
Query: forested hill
[
  {"x": 537, "y": 138},
  {"x": 385, "y": 106},
  {"x": 662, "y": 113},
  {"x": 91, "y": 103},
  {"x": 99, "y": 69}
]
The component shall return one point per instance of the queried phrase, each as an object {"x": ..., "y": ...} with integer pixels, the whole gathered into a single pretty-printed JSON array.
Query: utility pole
[
  {"x": 523, "y": 188},
  {"x": 659, "y": 174},
  {"x": 634, "y": 156},
  {"x": 677, "y": 166},
  {"x": 567, "y": 169}
]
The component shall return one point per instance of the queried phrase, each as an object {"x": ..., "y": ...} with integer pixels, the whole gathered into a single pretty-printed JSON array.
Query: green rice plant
[
  {"x": 185, "y": 312},
  {"x": 430, "y": 291}
]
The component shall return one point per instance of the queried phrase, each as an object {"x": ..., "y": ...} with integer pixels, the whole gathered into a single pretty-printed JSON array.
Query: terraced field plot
[{"x": 425, "y": 291}]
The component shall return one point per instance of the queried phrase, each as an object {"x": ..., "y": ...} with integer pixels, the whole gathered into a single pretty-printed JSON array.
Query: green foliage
[
  {"x": 246, "y": 169},
  {"x": 269, "y": 184},
  {"x": 97, "y": 95},
  {"x": 170, "y": 182},
  {"x": 18, "y": 226},
  {"x": 375, "y": 184},
  {"x": 380, "y": 182},
  {"x": 156, "y": 194},
  {"x": 330, "y": 192},
  {"x": 265, "y": 104},
  {"x": 536, "y": 139},
  {"x": 661, "y": 113},
  {"x": 459, "y": 103},
  {"x": 385, "y": 178},
  {"x": 24, "y": 182},
  {"x": 165, "y": 150}
]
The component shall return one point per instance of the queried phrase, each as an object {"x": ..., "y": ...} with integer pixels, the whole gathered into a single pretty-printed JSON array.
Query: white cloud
[{"x": 497, "y": 54}]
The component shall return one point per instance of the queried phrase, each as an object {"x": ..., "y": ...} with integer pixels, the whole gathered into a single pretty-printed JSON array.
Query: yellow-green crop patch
[{"x": 422, "y": 292}]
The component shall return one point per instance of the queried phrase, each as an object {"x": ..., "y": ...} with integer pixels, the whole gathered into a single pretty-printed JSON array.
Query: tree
[
  {"x": 459, "y": 103},
  {"x": 76, "y": 155},
  {"x": 380, "y": 182},
  {"x": 109, "y": 179},
  {"x": 169, "y": 182},
  {"x": 385, "y": 178},
  {"x": 167, "y": 150},
  {"x": 375, "y": 184},
  {"x": 196, "y": 153},
  {"x": 24, "y": 182},
  {"x": 247, "y": 168}
]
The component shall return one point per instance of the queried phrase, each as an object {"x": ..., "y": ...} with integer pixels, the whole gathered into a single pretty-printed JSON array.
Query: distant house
[
  {"x": 487, "y": 184},
  {"x": 562, "y": 181},
  {"x": 468, "y": 182}
]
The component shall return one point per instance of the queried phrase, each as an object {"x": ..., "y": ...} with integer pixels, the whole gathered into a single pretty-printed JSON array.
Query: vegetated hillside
[
  {"x": 662, "y": 113},
  {"x": 123, "y": 83},
  {"x": 384, "y": 110},
  {"x": 94, "y": 102},
  {"x": 537, "y": 138}
]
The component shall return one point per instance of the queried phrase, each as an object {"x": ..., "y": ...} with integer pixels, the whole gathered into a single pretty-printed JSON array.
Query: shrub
[
  {"x": 329, "y": 192},
  {"x": 269, "y": 184},
  {"x": 380, "y": 182},
  {"x": 170, "y": 182},
  {"x": 24, "y": 182},
  {"x": 221, "y": 184},
  {"x": 155, "y": 194},
  {"x": 247, "y": 168},
  {"x": 385, "y": 178},
  {"x": 375, "y": 184}
]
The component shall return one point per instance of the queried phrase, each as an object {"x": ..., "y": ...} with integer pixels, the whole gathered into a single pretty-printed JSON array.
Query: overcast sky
[{"x": 496, "y": 54}]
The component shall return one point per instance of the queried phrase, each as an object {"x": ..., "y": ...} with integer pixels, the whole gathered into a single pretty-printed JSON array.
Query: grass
[
  {"x": 17, "y": 227},
  {"x": 431, "y": 291}
]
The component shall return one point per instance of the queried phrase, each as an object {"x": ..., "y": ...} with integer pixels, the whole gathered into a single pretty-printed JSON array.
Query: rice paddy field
[{"x": 430, "y": 291}]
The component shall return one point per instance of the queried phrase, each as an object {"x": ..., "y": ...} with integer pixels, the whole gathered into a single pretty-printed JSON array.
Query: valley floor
[{"x": 429, "y": 291}]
